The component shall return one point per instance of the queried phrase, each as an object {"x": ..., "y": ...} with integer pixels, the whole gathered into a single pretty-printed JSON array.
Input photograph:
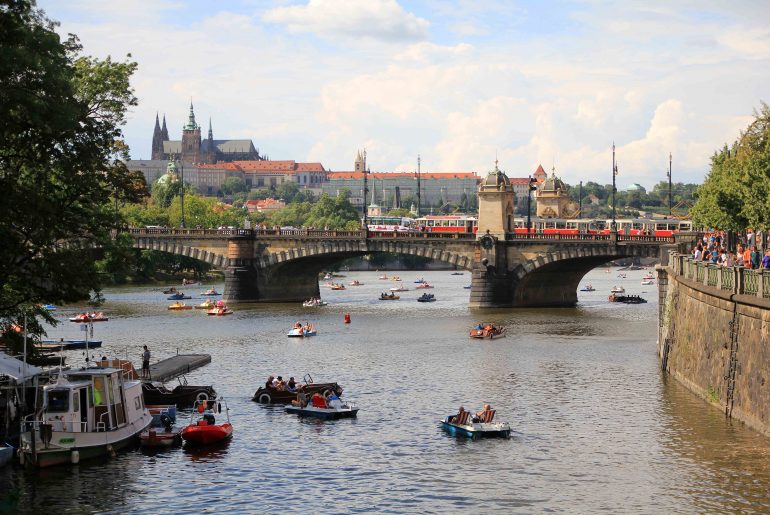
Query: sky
[{"x": 461, "y": 83}]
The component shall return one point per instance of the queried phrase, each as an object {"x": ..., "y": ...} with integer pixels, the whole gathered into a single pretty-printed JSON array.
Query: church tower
[
  {"x": 157, "y": 139},
  {"x": 164, "y": 130},
  {"x": 360, "y": 164},
  {"x": 191, "y": 139},
  {"x": 496, "y": 197},
  {"x": 209, "y": 150}
]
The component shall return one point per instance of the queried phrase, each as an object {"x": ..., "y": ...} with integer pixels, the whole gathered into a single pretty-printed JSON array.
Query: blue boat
[
  {"x": 68, "y": 344},
  {"x": 298, "y": 332},
  {"x": 475, "y": 430},
  {"x": 178, "y": 296}
]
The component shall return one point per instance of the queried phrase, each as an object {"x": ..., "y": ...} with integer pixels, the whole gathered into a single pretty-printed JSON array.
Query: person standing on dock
[{"x": 146, "y": 363}]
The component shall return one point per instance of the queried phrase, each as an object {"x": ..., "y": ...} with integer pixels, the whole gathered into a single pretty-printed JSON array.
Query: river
[{"x": 596, "y": 425}]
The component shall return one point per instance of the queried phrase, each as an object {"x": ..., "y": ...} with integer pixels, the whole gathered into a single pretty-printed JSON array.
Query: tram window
[
  {"x": 430, "y": 223},
  {"x": 560, "y": 225},
  {"x": 638, "y": 226},
  {"x": 58, "y": 400}
]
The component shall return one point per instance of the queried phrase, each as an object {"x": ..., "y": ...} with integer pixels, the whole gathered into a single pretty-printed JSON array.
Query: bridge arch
[{"x": 214, "y": 259}]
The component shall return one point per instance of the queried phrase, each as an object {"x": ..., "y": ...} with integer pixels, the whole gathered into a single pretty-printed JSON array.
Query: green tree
[
  {"x": 334, "y": 213},
  {"x": 233, "y": 185},
  {"x": 736, "y": 192},
  {"x": 60, "y": 160}
]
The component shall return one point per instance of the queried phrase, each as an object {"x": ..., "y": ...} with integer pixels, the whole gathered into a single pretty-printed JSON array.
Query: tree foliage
[
  {"x": 61, "y": 160},
  {"x": 736, "y": 192}
]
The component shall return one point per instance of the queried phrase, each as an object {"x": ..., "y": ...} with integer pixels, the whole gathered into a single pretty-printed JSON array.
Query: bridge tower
[
  {"x": 496, "y": 197},
  {"x": 490, "y": 282}
]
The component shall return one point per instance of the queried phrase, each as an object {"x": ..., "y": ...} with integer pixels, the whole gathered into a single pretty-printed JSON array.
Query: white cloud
[{"x": 375, "y": 19}]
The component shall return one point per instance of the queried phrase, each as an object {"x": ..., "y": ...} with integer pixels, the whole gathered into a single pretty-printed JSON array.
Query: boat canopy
[{"x": 17, "y": 369}]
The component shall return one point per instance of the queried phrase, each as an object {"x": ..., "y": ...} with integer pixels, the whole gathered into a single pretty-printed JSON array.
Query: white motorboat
[
  {"x": 618, "y": 289},
  {"x": 86, "y": 413}
]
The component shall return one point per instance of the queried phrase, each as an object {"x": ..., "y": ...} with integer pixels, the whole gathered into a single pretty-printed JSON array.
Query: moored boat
[
  {"x": 62, "y": 344},
  {"x": 161, "y": 434},
  {"x": 203, "y": 428},
  {"x": 182, "y": 396},
  {"x": 87, "y": 412}
]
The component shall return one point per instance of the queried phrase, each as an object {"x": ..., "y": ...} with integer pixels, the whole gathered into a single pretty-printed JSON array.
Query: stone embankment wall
[{"x": 714, "y": 336}]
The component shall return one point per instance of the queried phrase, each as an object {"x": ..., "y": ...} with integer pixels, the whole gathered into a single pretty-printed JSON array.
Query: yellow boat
[
  {"x": 179, "y": 306},
  {"x": 207, "y": 304}
]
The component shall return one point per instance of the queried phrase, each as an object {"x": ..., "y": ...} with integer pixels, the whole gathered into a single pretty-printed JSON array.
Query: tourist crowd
[{"x": 751, "y": 250}]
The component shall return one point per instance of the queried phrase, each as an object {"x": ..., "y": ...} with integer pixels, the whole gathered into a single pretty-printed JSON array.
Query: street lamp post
[
  {"x": 418, "y": 185},
  {"x": 613, "y": 226},
  {"x": 531, "y": 186},
  {"x": 366, "y": 190},
  {"x": 181, "y": 166},
  {"x": 670, "y": 208},
  {"x": 580, "y": 199}
]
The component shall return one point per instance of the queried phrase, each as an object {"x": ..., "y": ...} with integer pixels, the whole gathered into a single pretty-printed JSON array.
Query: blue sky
[{"x": 551, "y": 83}]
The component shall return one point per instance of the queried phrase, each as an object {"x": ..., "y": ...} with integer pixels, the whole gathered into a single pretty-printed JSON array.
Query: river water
[{"x": 596, "y": 425}]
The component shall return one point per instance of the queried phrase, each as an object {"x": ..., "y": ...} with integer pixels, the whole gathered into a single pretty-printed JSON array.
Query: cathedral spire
[
  {"x": 157, "y": 140},
  {"x": 211, "y": 133},
  {"x": 163, "y": 130},
  {"x": 191, "y": 125}
]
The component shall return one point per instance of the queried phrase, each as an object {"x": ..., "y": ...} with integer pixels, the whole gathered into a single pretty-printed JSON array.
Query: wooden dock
[{"x": 175, "y": 366}]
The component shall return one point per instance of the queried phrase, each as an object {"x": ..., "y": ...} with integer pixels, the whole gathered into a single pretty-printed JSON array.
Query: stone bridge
[{"x": 514, "y": 271}]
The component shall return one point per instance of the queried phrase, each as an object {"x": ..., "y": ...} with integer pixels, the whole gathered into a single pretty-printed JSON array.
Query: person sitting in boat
[
  {"x": 281, "y": 384},
  {"x": 483, "y": 414},
  {"x": 209, "y": 418},
  {"x": 269, "y": 382},
  {"x": 334, "y": 401},
  {"x": 318, "y": 401},
  {"x": 298, "y": 325},
  {"x": 300, "y": 401},
  {"x": 479, "y": 327},
  {"x": 291, "y": 386},
  {"x": 459, "y": 415}
]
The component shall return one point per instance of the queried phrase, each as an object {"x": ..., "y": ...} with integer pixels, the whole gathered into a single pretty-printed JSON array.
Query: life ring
[{"x": 264, "y": 398}]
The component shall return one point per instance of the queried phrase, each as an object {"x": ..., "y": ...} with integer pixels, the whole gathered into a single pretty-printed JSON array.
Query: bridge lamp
[
  {"x": 670, "y": 209},
  {"x": 531, "y": 186}
]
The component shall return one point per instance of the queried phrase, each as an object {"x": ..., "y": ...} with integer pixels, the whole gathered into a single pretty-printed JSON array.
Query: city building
[{"x": 267, "y": 205}]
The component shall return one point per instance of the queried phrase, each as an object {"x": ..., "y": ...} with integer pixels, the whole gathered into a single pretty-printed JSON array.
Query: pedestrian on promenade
[
  {"x": 146, "y": 363},
  {"x": 755, "y": 257},
  {"x": 766, "y": 260}
]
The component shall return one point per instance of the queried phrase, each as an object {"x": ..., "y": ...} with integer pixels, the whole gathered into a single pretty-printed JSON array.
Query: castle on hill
[{"x": 192, "y": 149}]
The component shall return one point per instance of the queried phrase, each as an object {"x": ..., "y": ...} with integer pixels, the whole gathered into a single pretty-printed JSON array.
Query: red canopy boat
[{"x": 203, "y": 428}]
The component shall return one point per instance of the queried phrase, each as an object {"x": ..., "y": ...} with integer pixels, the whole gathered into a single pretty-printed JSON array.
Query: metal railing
[{"x": 740, "y": 280}]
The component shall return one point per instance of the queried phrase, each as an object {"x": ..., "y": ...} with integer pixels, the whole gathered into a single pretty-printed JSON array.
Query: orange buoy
[{"x": 347, "y": 318}]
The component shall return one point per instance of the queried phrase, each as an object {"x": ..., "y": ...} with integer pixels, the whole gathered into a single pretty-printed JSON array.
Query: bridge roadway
[{"x": 281, "y": 265}]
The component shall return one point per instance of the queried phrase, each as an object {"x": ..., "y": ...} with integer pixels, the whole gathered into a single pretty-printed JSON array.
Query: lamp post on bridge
[
  {"x": 418, "y": 185},
  {"x": 181, "y": 196},
  {"x": 613, "y": 226},
  {"x": 670, "y": 208},
  {"x": 366, "y": 190},
  {"x": 531, "y": 186}
]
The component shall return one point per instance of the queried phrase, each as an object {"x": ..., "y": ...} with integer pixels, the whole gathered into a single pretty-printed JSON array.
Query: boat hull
[
  {"x": 153, "y": 438},
  {"x": 206, "y": 435},
  {"x": 476, "y": 431},
  {"x": 323, "y": 413},
  {"x": 300, "y": 334},
  {"x": 89, "y": 445}
]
